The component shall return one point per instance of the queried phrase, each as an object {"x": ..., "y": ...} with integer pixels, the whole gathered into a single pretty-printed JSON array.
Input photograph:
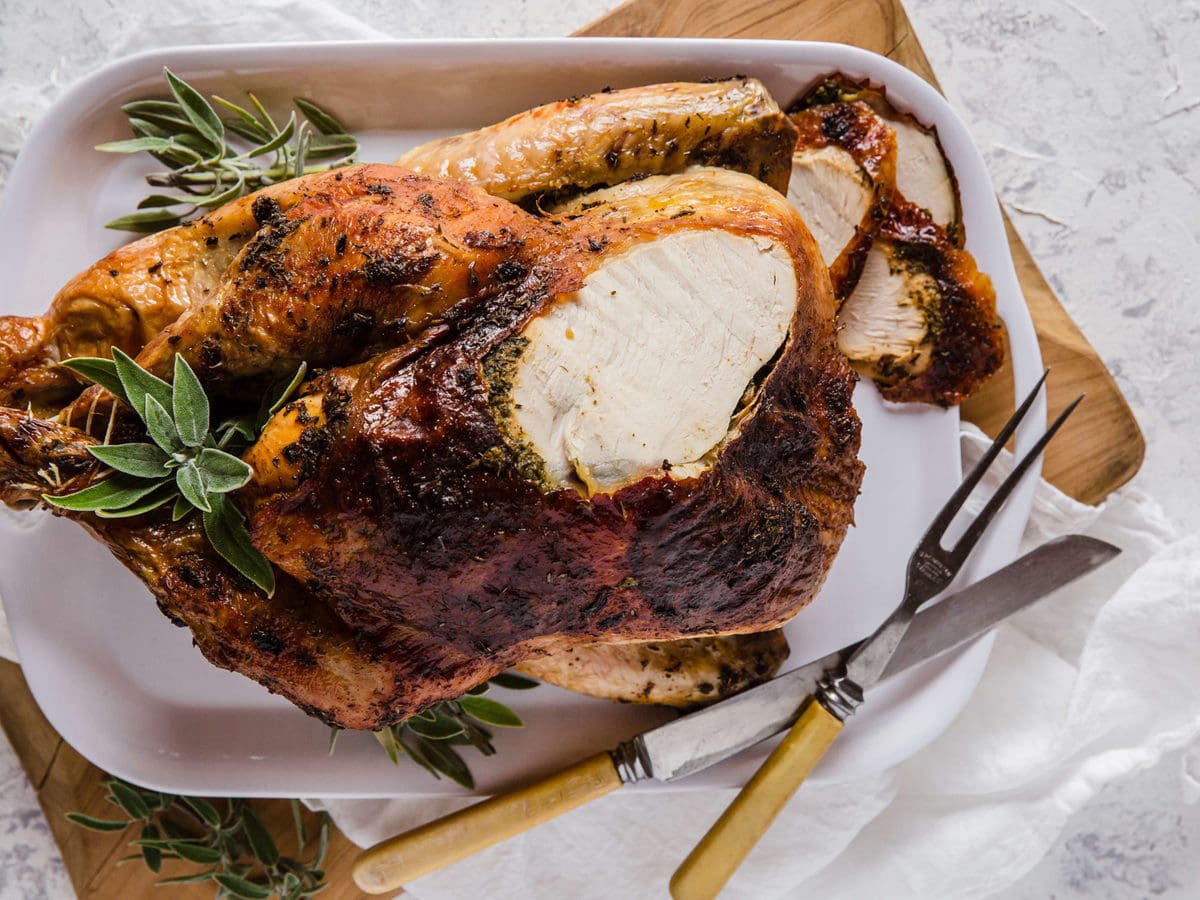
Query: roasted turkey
[{"x": 604, "y": 435}]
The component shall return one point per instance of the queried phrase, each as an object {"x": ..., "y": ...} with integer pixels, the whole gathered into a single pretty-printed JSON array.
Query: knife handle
[
  {"x": 390, "y": 863},
  {"x": 714, "y": 860}
]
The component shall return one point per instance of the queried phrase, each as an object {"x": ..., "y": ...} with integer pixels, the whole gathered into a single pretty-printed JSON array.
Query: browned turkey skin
[{"x": 612, "y": 136}]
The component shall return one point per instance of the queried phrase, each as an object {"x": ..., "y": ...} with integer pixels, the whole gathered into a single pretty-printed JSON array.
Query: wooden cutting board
[{"x": 1097, "y": 452}]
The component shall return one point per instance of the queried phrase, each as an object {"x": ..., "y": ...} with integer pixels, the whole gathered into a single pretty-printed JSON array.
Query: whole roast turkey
[{"x": 586, "y": 394}]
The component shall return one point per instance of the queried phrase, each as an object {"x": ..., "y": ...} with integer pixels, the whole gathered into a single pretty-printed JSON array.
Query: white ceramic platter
[{"x": 129, "y": 691}]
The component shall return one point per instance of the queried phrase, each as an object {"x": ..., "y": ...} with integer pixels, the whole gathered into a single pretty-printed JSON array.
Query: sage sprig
[
  {"x": 185, "y": 463},
  {"x": 429, "y": 738},
  {"x": 240, "y": 857},
  {"x": 214, "y": 160}
]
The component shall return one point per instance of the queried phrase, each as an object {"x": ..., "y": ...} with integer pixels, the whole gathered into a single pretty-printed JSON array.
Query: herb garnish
[
  {"x": 186, "y": 135},
  {"x": 187, "y": 464},
  {"x": 429, "y": 737},
  {"x": 244, "y": 859}
]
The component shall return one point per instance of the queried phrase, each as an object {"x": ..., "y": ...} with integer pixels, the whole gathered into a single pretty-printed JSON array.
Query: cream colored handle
[
  {"x": 714, "y": 860},
  {"x": 389, "y": 864}
]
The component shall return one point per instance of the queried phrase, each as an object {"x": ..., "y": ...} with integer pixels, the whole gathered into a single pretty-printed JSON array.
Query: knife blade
[
  {"x": 694, "y": 742},
  {"x": 704, "y": 738}
]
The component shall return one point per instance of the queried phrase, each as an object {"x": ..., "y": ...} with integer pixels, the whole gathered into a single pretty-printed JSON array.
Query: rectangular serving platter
[{"x": 129, "y": 691}]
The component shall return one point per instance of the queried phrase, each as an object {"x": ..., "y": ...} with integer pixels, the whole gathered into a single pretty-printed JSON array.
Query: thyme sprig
[
  {"x": 201, "y": 149},
  {"x": 241, "y": 857},
  {"x": 185, "y": 463},
  {"x": 429, "y": 738}
]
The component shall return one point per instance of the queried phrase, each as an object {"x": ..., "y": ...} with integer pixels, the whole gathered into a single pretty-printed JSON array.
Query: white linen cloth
[{"x": 1092, "y": 685}]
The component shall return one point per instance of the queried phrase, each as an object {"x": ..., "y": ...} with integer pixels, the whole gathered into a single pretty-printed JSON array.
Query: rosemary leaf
[
  {"x": 262, "y": 845},
  {"x": 198, "y": 111},
  {"x": 152, "y": 856},
  {"x": 135, "y": 145},
  {"x": 94, "y": 824},
  {"x": 321, "y": 120}
]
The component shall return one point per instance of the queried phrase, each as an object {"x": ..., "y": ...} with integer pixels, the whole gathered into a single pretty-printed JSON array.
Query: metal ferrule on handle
[{"x": 838, "y": 694}]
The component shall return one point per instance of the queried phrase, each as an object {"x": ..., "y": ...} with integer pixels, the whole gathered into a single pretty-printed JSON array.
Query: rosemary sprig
[
  {"x": 429, "y": 737},
  {"x": 241, "y": 858},
  {"x": 185, "y": 464},
  {"x": 206, "y": 168}
]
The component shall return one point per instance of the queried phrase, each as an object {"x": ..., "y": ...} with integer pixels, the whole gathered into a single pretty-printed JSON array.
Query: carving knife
[{"x": 701, "y": 739}]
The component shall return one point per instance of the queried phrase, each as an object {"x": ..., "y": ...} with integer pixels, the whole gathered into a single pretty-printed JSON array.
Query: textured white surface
[{"x": 1089, "y": 114}]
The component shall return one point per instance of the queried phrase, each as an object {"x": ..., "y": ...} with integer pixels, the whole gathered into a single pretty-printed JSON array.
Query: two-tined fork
[{"x": 930, "y": 570}]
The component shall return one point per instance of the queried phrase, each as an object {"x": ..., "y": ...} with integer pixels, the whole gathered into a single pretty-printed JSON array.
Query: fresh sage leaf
[
  {"x": 111, "y": 494},
  {"x": 148, "y": 220},
  {"x": 140, "y": 384},
  {"x": 279, "y": 394},
  {"x": 102, "y": 371},
  {"x": 489, "y": 711},
  {"x": 189, "y": 405},
  {"x": 142, "y": 460},
  {"x": 206, "y": 122},
  {"x": 226, "y": 529},
  {"x": 222, "y": 471},
  {"x": 161, "y": 429},
  {"x": 480, "y": 688},
  {"x": 161, "y": 496},
  {"x": 190, "y": 482}
]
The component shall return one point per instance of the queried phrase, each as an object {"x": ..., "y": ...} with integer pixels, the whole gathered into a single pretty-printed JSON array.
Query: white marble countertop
[{"x": 1088, "y": 112}]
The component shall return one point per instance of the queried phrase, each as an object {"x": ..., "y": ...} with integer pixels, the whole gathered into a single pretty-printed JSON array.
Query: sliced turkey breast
[
  {"x": 921, "y": 323},
  {"x": 843, "y": 178}
]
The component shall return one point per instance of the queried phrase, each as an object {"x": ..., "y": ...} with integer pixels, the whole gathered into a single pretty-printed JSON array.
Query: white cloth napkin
[{"x": 1089, "y": 686}]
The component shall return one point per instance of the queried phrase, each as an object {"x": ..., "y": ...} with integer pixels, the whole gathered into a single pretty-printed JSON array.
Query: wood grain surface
[{"x": 1098, "y": 451}]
